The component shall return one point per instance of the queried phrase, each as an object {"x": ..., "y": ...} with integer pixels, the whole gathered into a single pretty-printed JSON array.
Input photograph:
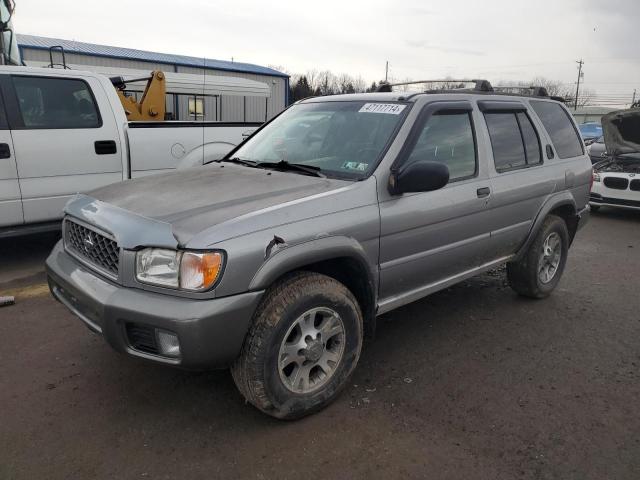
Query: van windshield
[{"x": 341, "y": 139}]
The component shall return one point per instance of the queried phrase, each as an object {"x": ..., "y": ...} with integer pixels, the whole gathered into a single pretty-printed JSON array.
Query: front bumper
[{"x": 211, "y": 332}]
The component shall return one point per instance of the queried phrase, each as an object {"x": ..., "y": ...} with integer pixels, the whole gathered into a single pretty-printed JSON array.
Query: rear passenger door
[
  {"x": 519, "y": 180},
  {"x": 63, "y": 143},
  {"x": 431, "y": 237},
  {"x": 10, "y": 201}
]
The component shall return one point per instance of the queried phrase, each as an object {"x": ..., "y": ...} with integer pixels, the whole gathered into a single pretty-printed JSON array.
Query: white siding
[{"x": 226, "y": 109}]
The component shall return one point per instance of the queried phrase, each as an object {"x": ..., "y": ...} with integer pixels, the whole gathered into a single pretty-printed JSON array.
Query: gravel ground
[{"x": 472, "y": 382}]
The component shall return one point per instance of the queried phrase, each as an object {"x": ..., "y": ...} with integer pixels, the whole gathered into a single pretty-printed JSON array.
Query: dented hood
[
  {"x": 622, "y": 131},
  {"x": 195, "y": 199}
]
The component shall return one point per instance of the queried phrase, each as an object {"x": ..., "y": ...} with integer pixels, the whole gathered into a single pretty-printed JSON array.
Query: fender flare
[
  {"x": 554, "y": 201},
  {"x": 289, "y": 258}
]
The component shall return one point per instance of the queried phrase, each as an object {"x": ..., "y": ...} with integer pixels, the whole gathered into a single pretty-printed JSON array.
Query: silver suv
[{"x": 277, "y": 259}]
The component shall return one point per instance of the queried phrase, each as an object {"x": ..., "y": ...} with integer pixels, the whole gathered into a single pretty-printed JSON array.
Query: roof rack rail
[
  {"x": 480, "y": 85},
  {"x": 532, "y": 91}
]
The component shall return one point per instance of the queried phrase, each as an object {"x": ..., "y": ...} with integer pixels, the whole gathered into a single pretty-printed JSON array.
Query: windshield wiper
[
  {"x": 292, "y": 167},
  {"x": 239, "y": 161}
]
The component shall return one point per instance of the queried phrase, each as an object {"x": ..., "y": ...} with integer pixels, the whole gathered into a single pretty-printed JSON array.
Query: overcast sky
[{"x": 493, "y": 39}]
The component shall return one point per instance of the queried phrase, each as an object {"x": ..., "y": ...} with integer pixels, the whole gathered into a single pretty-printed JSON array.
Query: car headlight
[
  {"x": 184, "y": 270},
  {"x": 596, "y": 177}
]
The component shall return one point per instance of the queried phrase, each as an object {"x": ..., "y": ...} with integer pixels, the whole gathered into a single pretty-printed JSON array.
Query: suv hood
[
  {"x": 622, "y": 131},
  {"x": 195, "y": 199}
]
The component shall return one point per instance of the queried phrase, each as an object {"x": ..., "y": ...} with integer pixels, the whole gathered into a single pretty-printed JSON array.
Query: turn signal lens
[{"x": 199, "y": 271}]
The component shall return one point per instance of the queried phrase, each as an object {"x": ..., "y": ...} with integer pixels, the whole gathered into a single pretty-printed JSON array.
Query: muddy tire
[
  {"x": 303, "y": 345},
  {"x": 538, "y": 272}
]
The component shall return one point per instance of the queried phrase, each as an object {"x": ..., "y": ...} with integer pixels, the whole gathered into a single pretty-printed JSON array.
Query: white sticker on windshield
[{"x": 391, "y": 108}]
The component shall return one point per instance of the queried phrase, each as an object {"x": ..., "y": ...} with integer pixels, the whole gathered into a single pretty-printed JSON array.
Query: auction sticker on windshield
[{"x": 391, "y": 108}]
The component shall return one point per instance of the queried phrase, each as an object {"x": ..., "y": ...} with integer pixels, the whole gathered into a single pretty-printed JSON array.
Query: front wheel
[
  {"x": 538, "y": 272},
  {"x": 304, "y": 344}
]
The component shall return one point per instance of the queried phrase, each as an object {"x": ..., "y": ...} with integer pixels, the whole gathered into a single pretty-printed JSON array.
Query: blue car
[{"x": 590, "y": 131}]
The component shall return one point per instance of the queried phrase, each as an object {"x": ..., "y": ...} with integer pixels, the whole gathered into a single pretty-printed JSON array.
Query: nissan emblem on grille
[{"x": 94, "y": 248}]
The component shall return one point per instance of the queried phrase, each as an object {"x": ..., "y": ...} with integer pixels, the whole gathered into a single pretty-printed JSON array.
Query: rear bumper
[
  {"x": 210, "y": 332},
  {"x": 583, "y": 216}
]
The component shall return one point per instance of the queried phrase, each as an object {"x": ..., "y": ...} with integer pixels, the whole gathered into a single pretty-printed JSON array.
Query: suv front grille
[
  {"x": 95, "y": 248},
  {"x": 616, "y": 182}
]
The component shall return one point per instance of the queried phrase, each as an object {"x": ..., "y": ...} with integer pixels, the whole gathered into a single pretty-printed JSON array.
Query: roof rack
[
  {"x": 532, "y": 91},
  {"x": 479, "y": 85}
]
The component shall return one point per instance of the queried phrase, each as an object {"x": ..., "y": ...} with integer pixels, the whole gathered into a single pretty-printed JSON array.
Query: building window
[{"x": 196, "y": 107}]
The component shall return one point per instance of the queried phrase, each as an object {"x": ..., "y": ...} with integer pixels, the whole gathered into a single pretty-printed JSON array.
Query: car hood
[
  {"x": 622, "y": 131},
  {"x": 196, "y": 199}
]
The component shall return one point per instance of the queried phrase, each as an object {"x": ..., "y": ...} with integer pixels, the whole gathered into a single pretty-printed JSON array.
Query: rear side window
[
  {"x": 55, "y": 103},
  {"x": 560, "y": 128},
  {"x": 447, "y": 138},
  {"x": 514, "y": 140}
]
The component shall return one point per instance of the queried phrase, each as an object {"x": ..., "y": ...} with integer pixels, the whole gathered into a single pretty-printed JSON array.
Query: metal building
[{"x": 36, "y": 51}]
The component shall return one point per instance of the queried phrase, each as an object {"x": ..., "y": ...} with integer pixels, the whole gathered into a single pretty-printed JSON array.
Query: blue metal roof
[{"x": 44, "y": 43}]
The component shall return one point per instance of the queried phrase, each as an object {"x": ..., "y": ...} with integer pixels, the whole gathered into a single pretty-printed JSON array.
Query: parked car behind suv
[{"x": 277, "y": 260}]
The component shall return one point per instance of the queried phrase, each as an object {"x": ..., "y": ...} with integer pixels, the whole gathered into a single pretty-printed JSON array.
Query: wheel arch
[
  {"x": 338, "y": 257},
  {"x": 563, "y": 206}
]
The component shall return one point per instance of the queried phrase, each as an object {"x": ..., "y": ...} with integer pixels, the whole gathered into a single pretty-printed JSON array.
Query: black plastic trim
[{"x": 501, "y": 106}]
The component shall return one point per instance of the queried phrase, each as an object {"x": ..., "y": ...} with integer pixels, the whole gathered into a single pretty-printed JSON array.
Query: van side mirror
[{"x": 419, "y": 177}]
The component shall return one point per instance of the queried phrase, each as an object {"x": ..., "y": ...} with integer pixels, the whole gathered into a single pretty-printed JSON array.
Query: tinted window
[
  {"x": 508, "y": 150},
  {"x": 560, "y": 128},
  {"x": 55, "y": 103},
  {"x": 447, "y": 138},
  {"x": 530, "y": 137},
  {"x": 3, "y": 116}
]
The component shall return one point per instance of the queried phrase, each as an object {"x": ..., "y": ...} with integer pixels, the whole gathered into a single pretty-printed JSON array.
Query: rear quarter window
[{"x": 560, "y": 128}]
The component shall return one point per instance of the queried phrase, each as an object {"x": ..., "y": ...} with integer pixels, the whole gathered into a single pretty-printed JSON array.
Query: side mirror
[{"x": 419, "y": 177}]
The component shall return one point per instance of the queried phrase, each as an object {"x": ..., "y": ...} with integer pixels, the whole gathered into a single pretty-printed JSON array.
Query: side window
[
  {"x": 55, "y": 103},
  {"x": 530, "y": 138},
  {"x": 4, "y": 125},
  {"x": 447, "y": 138},
  {"x": 557, "y": 123},
  {"x": 514, "y": 140},
  {"x": 506, "y": 142}
]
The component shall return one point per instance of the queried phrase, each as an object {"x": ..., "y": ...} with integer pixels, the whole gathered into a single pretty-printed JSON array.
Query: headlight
[
  {"x": 596, "y": 177},
  {"x": 184, "y": 270}
]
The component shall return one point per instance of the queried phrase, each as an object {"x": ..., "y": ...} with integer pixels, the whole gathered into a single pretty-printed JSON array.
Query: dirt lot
[{"x": 472, "y": 383}]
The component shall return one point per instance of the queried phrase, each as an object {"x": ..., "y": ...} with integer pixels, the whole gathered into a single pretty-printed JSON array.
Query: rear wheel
[
  {"x": 304, "y": 344},
  {"x": 538, "y": 272}
]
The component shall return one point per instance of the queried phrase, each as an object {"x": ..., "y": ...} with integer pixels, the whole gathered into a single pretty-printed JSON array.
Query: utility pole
[
  {"x": 386, "y": 72},
  {"x": 634, "y": 98},
  {"x": 580, "y": 63}
]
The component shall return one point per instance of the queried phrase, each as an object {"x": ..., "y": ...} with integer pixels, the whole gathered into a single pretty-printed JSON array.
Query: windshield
[{"x": 342, "y": 139}]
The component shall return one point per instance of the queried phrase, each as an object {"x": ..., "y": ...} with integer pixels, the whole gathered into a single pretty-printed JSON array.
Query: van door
[
  {"x": 428, "y": 239},
  {"x": 10, "y": 200},
  {"x": 63, "y": 143}
]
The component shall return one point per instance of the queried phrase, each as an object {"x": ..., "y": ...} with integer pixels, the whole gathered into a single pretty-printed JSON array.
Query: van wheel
[
  {"x": 302, "y": 347},
  {"x": 539, "y": 271}
]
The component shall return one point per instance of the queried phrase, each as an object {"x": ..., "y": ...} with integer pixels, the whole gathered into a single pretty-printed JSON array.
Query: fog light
[{"x": 168, "y": 343}]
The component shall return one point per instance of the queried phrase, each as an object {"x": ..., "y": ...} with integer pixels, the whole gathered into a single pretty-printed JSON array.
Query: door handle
[
  {"x": 105, "y": 147},
  {"x": 5, "y": 151},
  {"x": 483, "y": 192}
]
